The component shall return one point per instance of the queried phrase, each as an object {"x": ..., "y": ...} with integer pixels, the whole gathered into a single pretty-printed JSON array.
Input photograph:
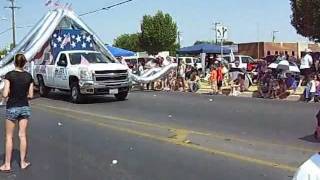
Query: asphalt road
[{"x": 227, "y": 138}]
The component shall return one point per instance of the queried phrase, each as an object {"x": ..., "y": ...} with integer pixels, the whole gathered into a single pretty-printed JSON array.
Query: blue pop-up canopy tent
[
  {"x": 118, "y": 52},
  {"x": 204, "y": 48}
]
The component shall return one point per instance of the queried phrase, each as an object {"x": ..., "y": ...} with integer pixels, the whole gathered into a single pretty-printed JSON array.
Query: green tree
[
  {"x": 158, "y": 33},
  {"x": 202, "y": 42},
  {"x": 128, "y": 41},
  {"x": 225, "y": 42},
  {"x": 306, "y": 18},
  {"x": 3, "y": 52}
]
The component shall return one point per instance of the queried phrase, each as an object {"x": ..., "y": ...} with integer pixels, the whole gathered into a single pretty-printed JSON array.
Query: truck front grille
[
  {"x": 111, "y": 77},
  {"x": 111, "y": 72}
]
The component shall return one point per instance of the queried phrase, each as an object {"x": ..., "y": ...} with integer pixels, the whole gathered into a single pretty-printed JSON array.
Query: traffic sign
[{"x": 222, "y": 32}]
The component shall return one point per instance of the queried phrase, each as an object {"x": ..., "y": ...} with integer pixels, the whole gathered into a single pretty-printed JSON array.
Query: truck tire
[
  {"x": 43, "y": 89},
  {"x": 121, "y": 96},
  {"x": 76, "y": 96}
]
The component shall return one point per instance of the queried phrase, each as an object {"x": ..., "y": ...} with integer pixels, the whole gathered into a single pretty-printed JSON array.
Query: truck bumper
[{"x": 92, "y": 88}]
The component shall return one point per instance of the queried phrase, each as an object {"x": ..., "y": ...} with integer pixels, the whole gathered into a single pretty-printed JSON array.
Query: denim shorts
[{"x": 18, "y": 113}]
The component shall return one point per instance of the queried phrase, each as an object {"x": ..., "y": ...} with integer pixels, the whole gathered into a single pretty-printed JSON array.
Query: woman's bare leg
[
  {"x": 9, "y": 145},
  {"x": 23, "y": 124}
]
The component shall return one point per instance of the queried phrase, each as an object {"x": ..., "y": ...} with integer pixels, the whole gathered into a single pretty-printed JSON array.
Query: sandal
[
  {"x": 5, "y": 171},
  {"x": 28, "y": 164}
]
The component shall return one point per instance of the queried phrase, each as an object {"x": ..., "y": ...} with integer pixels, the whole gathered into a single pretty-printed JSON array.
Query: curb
[{"x": 293, "y": 97}]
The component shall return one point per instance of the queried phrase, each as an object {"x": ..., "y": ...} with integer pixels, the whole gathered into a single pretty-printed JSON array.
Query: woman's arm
[
  {"x": 30, "y": 93},
  {"x": 6, "y": 89}
]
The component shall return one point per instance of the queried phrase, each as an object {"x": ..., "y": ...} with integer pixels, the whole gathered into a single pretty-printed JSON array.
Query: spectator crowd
[{"x": 274, "y": 83}]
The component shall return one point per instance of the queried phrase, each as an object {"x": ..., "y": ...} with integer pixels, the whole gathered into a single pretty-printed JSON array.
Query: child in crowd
[
  {"x": 237, "y": 85},
  {"x": 214, "y": 80},
  {"x": 291, "y": 83},
  {"x": 317, "y": 94},
  {"x": 274, "y": 88},
  {"x": 313, "y": 88},
  {"x": 282, "y": 92},
  {"x": 310, "y": 89},
  {"x": 219, "y": 77}
]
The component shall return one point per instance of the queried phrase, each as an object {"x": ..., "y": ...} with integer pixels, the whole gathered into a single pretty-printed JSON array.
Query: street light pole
[
  {"x": 215, "y": 29},
  {"x": 274, "y": 35},
  {"x": 13, "y": 7}
]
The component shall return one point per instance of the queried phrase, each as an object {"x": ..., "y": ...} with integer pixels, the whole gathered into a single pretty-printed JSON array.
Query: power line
[
  {"x": 18, "y": 27},
  {"x": 106, "y": 8}
]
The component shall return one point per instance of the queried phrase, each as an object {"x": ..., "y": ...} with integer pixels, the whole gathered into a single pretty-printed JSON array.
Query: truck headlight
[{"x": 86, "y": 75}]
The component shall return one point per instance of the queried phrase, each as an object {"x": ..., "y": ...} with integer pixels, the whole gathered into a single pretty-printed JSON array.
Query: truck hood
[{"x": 106, "y": 66}]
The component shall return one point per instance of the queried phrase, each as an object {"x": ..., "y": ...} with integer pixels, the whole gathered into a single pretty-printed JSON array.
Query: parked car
[
  {"x": 246, "y": 62},
  {"x": 192, "y": 61}
]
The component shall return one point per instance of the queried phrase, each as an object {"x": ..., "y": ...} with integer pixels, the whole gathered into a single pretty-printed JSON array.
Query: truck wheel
[
  {"x": 76, "y": 96},
  {"x": 43, "y": 89},
  {"x": 121, "y": 96}
]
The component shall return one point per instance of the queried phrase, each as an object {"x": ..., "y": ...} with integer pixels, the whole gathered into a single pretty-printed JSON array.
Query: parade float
[{"x": 64, "y": 53}]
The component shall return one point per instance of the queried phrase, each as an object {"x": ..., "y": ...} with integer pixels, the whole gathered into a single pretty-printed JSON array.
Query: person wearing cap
[{"x": 306, "y": 64}]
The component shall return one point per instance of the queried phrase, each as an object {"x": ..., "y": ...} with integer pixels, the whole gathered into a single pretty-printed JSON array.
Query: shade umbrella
[
  {"x": 310, "y": 170},
  {"x": 285, "y": 65}
]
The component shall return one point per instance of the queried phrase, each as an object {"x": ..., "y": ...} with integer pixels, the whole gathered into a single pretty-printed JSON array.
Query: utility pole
[
  {"x": 258, "y": 39},
  {"x": 179, "y": 38},
  {"x": 13, "y": 7},
  {"x": 215, "y": 30}
]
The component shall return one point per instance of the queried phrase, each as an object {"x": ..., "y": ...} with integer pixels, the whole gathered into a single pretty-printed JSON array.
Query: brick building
[{"x": 259, "y": 50}]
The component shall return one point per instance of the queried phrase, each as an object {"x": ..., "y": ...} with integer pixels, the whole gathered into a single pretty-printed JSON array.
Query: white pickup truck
[{"x": 82, "y": 73}]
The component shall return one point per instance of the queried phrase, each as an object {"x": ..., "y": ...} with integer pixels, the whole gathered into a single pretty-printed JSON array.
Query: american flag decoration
[
  {"x": 53, "y": 4},
  {"x": 84, "y": 61},
  {"x": 48, "y": 3},
  {"x": 68, "y": 40}
]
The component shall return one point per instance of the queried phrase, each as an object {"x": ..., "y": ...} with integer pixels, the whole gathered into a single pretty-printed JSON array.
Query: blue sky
[{"x": 247, "y": 20}]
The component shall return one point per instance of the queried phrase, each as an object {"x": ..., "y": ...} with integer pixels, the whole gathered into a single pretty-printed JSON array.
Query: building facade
[{"x": 259, "y": 50}]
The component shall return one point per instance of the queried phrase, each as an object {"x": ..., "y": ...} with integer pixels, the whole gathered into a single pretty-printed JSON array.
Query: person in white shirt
[
  {"x": 313, "y": 88},
  {"x": 141, "y": 69},
  {"x": 306, "y": 65},
  {"x": 182, "y": 73}
]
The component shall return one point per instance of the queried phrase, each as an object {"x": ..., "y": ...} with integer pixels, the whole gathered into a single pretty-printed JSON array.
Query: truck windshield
[{"x": 85, "y": 58}]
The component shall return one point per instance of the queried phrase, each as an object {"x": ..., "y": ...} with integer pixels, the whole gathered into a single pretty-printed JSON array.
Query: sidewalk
[{"x": 252, "y": 92}]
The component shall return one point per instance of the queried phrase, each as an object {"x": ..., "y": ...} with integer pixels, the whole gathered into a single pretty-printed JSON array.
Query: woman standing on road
[{"x": 18, "y": 89}]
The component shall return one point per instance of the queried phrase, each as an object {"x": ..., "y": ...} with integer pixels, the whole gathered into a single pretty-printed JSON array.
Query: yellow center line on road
[
  {"x": 177, "y": 141},
  {"x": 171, "y": 128}
]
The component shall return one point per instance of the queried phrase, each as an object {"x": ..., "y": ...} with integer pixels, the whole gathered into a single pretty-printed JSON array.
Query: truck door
[
  {"x": 61, "y": 79},
  {"x": 49, "y": 71}
]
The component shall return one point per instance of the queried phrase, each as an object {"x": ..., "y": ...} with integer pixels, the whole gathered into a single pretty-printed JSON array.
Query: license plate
[{"x": 113, "y": 91}]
